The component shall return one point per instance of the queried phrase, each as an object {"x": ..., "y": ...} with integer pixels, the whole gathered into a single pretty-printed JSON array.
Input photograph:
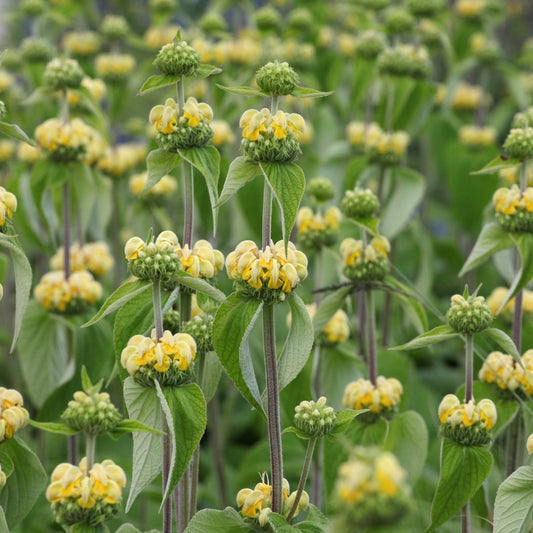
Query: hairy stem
[
  {"x": 216, "y": 439},
  {"x": 66, "y": 229},
  {"x": 303, "y": 477},
  {"x": 167, "y": 507},
  {"x": 465, "y": 518},
  {"x": 158, "y": 312},
  {"x": 90, "y": 450},
  {"x": 469, "y": 367},
  {"x": 372, "y": 354},
  {"x": 267, "y": 215}
]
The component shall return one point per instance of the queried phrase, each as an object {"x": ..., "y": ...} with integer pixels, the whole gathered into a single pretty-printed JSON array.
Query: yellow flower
[
  {"x": 337, "y": 329},
  {"x": 195, "y": 112},
  {"x": 94, "y": 257},
  {"x": 165, "y": 186},
  {"x": 362, "y": 394},
  {"x": 468, "y": 97},
  {"x": 506, "y": 200},
  {"x": 81, "y": 42},
  {"x": 222, "y": 132},
  {"x": 530, "y": 444},
  {"x": 470, "y": 8},
  {"x": 454, "y": 413},
  {"x": 8, "y": 205},
  {"x": 499, "y": 368},
  {"x": 28, "y": 153},
  {"x": 13, "y": 416},
  {"x": 114, "y": 66},
  {"x": 203, "y": 261},
  {"x": 118, "y": 160},
  {"x": 165, "y": 117},
  {"x": 254, "y": 123},
  {"x": 157, "y": 36},
  {"x": 7, "y": 149},
  {"x": 53, "y": 135},
  {"x": 95, "y": 86}
]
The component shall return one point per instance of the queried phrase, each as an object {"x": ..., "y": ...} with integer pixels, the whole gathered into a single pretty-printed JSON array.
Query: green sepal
[
  {"x": 159, "y": 163},
  {"x": 243, "y": 91},
  {"x": 82, "y": 527},
  {"x": 298, "y": 432},
  {"x": 497, "y": 164},
  {"x": 438, "y": 334},
  {"x": 54, "y": 427},
  {"x": 16, "y": 132},
  {"x": 157, "y": 81},
  {"x": 240, "y": 172}
]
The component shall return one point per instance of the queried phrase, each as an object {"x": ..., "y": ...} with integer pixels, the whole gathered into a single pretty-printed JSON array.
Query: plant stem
[
  {"x": 274, "y": 104},
  {"x": 158, "y": 312},
  {"x": 267, "y": 215},
  {"x": 469, "y": 367},
  {"x": 372, "y": 355},
  {"x": 167, "y": 507},
  {"x": 188, "y": 213},
  {"x": 273, "y": 408},
  {"x": 66, "y": 229},
  {"x": 316, "y": 479},
  {"x": 389, "y": 106},
  {"x": 513, "y": 444},
  {"x": 72, "y": 449},
  {"x": 194, "y": 468},
  {"x": 303, "y": 477},
  {"x": 465, "y": 518},
  {"x": 216, "y": 439},
  {"x": 90, "y": 450}
]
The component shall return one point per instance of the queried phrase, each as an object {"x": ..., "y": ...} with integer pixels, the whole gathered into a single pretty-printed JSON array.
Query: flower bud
[
  {"x": 398, "y": 20},
  {"x": 32, "y": 8},
  {"x": 13, "y": 416},
  {"x": 115, "y": 27},
  {"x": 200, "y": 328},
  {"x": 8, "y": 205},
  {"x": 317, "y": 230},
  {"x": 523, "y": 119},
  {"x": 363, "y": 264},
  {"x": 425, "y": 8},
  {"x": 63, "y": 73},
  {"x": 359, "y": 203},
  {"x": 177, "y": 59},
  {"x": 267, "y": 19},
  {"x": 277, "y": 79},
  {"x": 321, "y": 189},
  {"x": 470, "y": 315},
  {"x": 36, "y": 50},
  {"x": 404, "y": 60},
  {"x": 3, "y": 110},
  {"x": 519, "y": 143},
  {"x": 315, "y": 418},
  {"x": 369, "y": 44}
]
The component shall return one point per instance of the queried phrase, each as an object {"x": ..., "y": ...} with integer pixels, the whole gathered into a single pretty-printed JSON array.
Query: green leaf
[
  {"x": 287, "y": 182},
  {"x": 206, "y": 160},
  {"x": 126, "y": 292},
  {"x": 12, "y": 130},
  {"x": 87, "y": 528},
  {"x": 408, "y": 190},
  {"x": 413, "y": 308},
  {"x": 54, "y": 427},
  {"x": 205, "y": 70},
  {"x": 226, "y": 521},
  {"x": 129, "y": 528},
  {"x": 3, "y": 524},
  {"x": 314, "y": 523},
  {"x": 492, "y": 239},
  {"x": 463, "y": 469},
  {"x": 202, "y": 286},
  {"x": 143, "y": 405},
  {"x": 234, "y": 321},
  {"x": 211, "y": 375},
  {"x": 129, "y": 426},
  {"x": 23, "y": 281},
  {"x": 243, "y": 91},
  {"x": 370, "y": 224},
  {"x": 408, "y": 440},
  {"x": 240, "y": 172},
  {"x": 159, "y": 162},
  {"x": 513, "y": 508},
  {"x": 524, "y": 243},
  {"x": 497, "y": 164},
  {"x": 504, "y": 341},
  {"x": 299, "y": 342},
  {"x": 328, "y": 307},
  {"x": 25, "y": 484},
  {"x": 438, "y": 334},
  {"x": 344, "y": 419},
  {"x": 306, "y": 92},
  {"x": 298, "y": 432},
  {"x": 158, "y": 81}
]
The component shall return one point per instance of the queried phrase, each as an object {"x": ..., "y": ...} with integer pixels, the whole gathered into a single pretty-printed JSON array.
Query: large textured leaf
[
  {"x": 23, "y": 280},
  {"x": 513, "y": 508},
  {"x": 287, "y": 181},
  {"x": 25, "y": 484},
  {"x": 159, "y": 162},
  {"x": 462, "y": 471},
  {"x": 234, "y": 321},
  {"x": 298, "y": 345},
  {"x": 240, "y": 172},
  {"x": 129, "y": 528},
  {"x": 226, "y": 521},
  {"x": 438, "y": 334},
  {"x": 143, "y": 405},
  {"x": 157, "y": 82}
]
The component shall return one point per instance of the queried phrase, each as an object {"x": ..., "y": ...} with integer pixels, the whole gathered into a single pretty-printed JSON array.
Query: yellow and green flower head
[
  {"x": 266, "y": 274},
  {"x": 70, "y": 296},
  {"x": 36, "y": 50},
  {"x": 268, "y": 137},
  {"x": 519, "y": 143},
  {"x": 371, "y": 489},
  {"x": 405, "y": 60},
  {"x": 96, "y": 87},
  {"x": 177, "y": 59},
  {"x": 92, "y": 413},
  {"x": 316, "y": 230},
  {"x": 360, "y": 203},
  {"x": 182, "y": 128},
  {"x": 116, "y": 161},
  {"x": 321, "y": 189},
  {"x": 514, "y": 208},
  {"x": 467, "y": 97},
  {"x": 277, "y": 78},
  {"x": 80, "y": 43},
  {"x": 28, "y": 153},
  {"x": 32, "y": 8},
  {"x": 470, "y": 9},
  {"x": 387, "y": 148},
  {"x": 64, "y": 141},
  {"x": 166, "y": 186},
  {"x": 398, "y": 20},
  {"x": 365, "y": 262},
  {"x": 382, "y": 399},
  {"x": 8, "y": 205},
  {"x": 13, "y": 416},
  {"x": 3, "y": 478},
  {"x": 158, "y": 36},
  {"x": 336, "y": 330},
  {"x": 469, "y": 423},
  {"x": 369, "y": 44},
  {"x": 256, "y": 503},
  {"x": 511, "y": 378},
  {"x": 201, "y": 261},
  {"x": 96, "y": 148},
  {"x": 469, "y": 314},
  {"x": 89, "y": 497},
  {"x": 162, "y": 7},
  {"x": 498, "y": 296},
  {"x": 7, "y": 149},
  {"x": 315, "y": 419},
  {"x": 168, "y": 359},
  {"x": 523, "y": 119},
  {"x": 475, "y": 136},
  {"x": 268, "y": 19},
  {"x": 115, "y": 27},
  {"x": 359, "y": 134},
  {"x": 200, "y": 328},
  {"x": 222, "y": 133},
  {"x": 62, "y": 73},
  {"x": 486, "y": 50},
  {"x": 114, "y": 68},
  {"x": 425, "y": 8},
  {"x": 213, "y": 23},
  {"x": 94, "y": 257}
]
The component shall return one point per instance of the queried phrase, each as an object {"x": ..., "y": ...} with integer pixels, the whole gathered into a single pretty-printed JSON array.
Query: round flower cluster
[
  {"x": 222, "y": 133},
  {"x": 499, "y": 295},
  {"x": 471, "y": 9},
  {"x": 373, "y": 484},
  {"x": 477, "y": 136},
  {"x": 321, "y": 189},
  {"x": 61, "y": 73},
  {"x": 514, "y": 208},
  {"x": 519, "y": 143},
  {"x": 425, "y": 8},
  {"x": 369, "y": 44},
  {"x": 523, "y": 119},
  {"x": 182, "y": 128},
  {"x": 118, "y": 160},
  {"x": 81, "y": 496},
  {"x": 177, "y": 59},
  {"x": 28, "y": 153},
  {"x": 36, "y": 50},
  {"x": 469, "y": 315},
  {"x": 65, "y": 141},
  {"x": 267, "y": 274},
  {"x": 359, "y": 203},
  {"x": 278, "y": 79},
  {"x": 365, "y": 263},
  {"x": 469, "y": 423},
  {"x": 268, "y": 137},
  {"x": 200, "y": 328},
  {"x": 115, "y": 27},
  {"x": 73, "y": 295},
  {"x": 7, "y": 148},
  {"x": 387, "y": 148},
  {"x": 405, "y": 60},
  {"x": 315, "y": 419},
  {"x": 12, "y": 415},
  {"x": 202, "y": 261},
  {"x": 92, "y": 413},
  {"x": 468, "y": 97},
  {"x": 8, "y": 205},
  {"x": 502, "y": 369},
  {"x": 256, "y": 503},
  {"x": 485, "y": 49},
  {"x": 114, "y": 68},
  {"x": 80, "y": 43},
  {"x": 168, "y": 359},
  {"x": 94, "y": 257},
  {"x": 381, "y": 399},
  {"x": 164, "y": 187},
  {"x": 316, "y": 230}
]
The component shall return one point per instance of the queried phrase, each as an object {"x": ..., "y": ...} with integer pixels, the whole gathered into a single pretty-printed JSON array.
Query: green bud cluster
[
  {"x": 359, "y": 203},
  {"x": 321, "y": 189},
  {"x": 377, "y": 510},
  {"x": 3, "y": 110},
  {"x": 115, "y": 27},
  {"x": 489, "y": 53},
  {"x": 33, "y": 8},
  {"x": 36, "y": 50},
  {"x": 153, "y": 263},
  {"x": 469, "y": 314},
  {"x": 519, "y": 143},
  {"x": 267, "y": 19},
  {"x": 425, "y": 8},
  {"x": 370, "y": 44},
  {"x": 185, "y": 136},
  {"x": 94, "y": 413},
  {"x": 173, "y": 377},
  {"x": 475, "y": 435},
  {"x": 521, "y": 221},
  {"x": 404, "y": 60},
  {"x": 316, "y": 239},
  {"x": 269, "y": 148},
  {"x": 315, "y": 418},
  {"x": 494, "y": 8},
  {"x": 264, "y": 293},
  {"x": 213, "y": 22},
  {"x": 70, "y": 513},
  {"x": 200, "y": 328},
  {"x": 63, "y": 73},
  {"x": 363, "y": 270},
  {"x": 278, "y": 79},
  {"x": 523, "y": 119},
  {"x": 177, "y": 59},
  {"x": 398, "y": 20},
  {"x": 171, "y": 321},
  {"x": 375, "y": 5},
  {"x": 301, "y": 19},
  {"x": 162, "y": 6}
]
